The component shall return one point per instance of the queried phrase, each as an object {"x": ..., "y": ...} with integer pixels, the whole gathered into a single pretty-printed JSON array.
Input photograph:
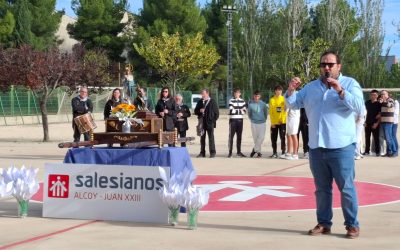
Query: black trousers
[
  {"x": 303, "y": 129},
  {"x": 77, "y": 134},
  {"x": 211, "y": 141},
  {"x": 181, "y": 135},
  {"x": 235, "y": 127},
  {"x": 375, "y": 134},
  {"x": 281, "y": 129}
]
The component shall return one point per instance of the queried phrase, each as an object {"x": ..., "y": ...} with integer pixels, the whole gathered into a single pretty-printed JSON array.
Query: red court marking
[
  {"x": 368, "y": 193},
  {"x": 46, "y": 235}
]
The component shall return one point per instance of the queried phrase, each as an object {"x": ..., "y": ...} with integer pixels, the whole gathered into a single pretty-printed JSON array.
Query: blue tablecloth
[{"x": 177, "y": 158}]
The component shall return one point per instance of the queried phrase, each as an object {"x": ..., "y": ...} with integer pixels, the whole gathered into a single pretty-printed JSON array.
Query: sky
[{"x": 390, "y": 14}]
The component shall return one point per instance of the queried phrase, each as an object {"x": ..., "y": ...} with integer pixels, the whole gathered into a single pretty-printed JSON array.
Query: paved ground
[{"x": 380, "y": 225}]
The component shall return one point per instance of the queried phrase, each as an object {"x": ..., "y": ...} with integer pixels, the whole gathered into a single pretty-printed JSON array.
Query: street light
[{"x": 229, "y": 79}]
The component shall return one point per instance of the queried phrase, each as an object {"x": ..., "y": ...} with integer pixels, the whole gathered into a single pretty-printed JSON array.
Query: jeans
[
  {"x": 334, "y": 164},
  {"x": 387, "y": 130},
  {"x": 394, "y": 136}
]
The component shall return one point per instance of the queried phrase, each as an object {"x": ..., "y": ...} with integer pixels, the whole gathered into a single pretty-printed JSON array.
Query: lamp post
[{"x": 229, "y": 79}]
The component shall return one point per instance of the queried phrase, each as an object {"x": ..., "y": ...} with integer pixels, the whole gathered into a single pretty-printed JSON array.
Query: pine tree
[
  {"x": 7, "y": 23},
  {"x": 99, "y": 25}
]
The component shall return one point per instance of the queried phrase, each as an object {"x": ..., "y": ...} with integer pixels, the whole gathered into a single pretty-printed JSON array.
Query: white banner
[{"x": 104, "y": 192}]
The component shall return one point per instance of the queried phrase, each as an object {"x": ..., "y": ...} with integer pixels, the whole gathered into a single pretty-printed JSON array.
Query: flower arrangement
[
  {"x": 124, "y": 111},
  {"x": 20, "y": 183}
]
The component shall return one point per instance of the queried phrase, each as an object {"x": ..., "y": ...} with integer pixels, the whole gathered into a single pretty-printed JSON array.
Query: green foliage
[
  {"x": 32, "y": 22},
  {"x": 171, "y": 16},
  {"x": 176, "y": 58},
  {"x": 167, "y": 16},
  {"x": 305, "y": 58},
  {"x": 99, "y": 25},
  {"x": 7, "y": 22}
]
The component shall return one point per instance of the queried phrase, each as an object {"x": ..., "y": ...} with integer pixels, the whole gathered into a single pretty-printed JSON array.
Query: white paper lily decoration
[
  {"x": 172, "y": 193},
  {"x": 20, "y": 183}
]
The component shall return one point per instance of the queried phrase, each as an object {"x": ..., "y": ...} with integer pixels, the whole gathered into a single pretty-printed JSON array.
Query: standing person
[
  {"x": 182, "y": 113},
  {"x": 128, "y": 83},
  {"x": 292, "y": 129},
  {"x": 258, "y": 113},
  {"x": 277, "y": 115},
  {"x": 81, "y": 105},
  {"x": 330, "y": 103},
  {"x": 387, "y": 120},
  {"x": 114, "y": 101},
  {"x": 360, "y": 121},
  {"x": 303, "y": 129},
  {"x": 141, "y": 101},
  {"x": 207, "y": 112},
  {"x": 237, "y": 108},
  {"x": 373, "y": 107},
  {"x": 394, "y": 128},
  {"x": 165, "y": 108}
]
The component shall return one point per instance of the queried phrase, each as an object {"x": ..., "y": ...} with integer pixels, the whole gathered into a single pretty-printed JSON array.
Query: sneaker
[
  {"x": 318, "y": 230},
  {"x": 259, "y": 155},
  {"x": 295, "y": 157},
  {"x": 305, "y": 155},
  {"x": 201, "y": 155},
  {"x": 352, "y": 232},
  {"x": 229, "y": 155},
  {"x": 240, "y": 154},
  {"x": 366, "y": 154},
  {"x": 284, "y": 156},
  {"x": 274, "y": 155},
  {"x": 289, "y": 157},
  {"x": 357, "y": 157},
  {"x": 212, "y": 155},
  {"x": 252, "y": 153}
]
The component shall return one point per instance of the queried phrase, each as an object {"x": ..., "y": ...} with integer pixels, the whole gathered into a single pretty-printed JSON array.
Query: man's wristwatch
[{"x": 341, "y": 93}]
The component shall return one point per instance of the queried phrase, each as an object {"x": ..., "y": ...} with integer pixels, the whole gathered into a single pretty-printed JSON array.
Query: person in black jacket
[
  {"x": 303, "y": 129},
  {"x": 114, "y": 101},
  {"x": 182, "y": 113},
  {"x": 81, "y": 104},
  {"x": 208, "y": 114},
  {"x": 141, "y": 101},
  {"x": 165, "y": 108}
]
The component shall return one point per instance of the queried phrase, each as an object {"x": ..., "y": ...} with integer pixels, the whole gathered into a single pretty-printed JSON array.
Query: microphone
[{"x": 327, "y": 75}]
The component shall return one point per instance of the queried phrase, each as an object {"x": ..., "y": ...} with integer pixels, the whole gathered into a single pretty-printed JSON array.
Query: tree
[
  {"x": 7, "y": 22},
  {"x": 177, "y": 58},
  {"x": 371, "y": 41},
  {"x": 167, "y": 16},
  {"x": 36, "y": 23},
  {"x": 251, "y": 34},
  {"x": 44, "y": 71},
  {"x": 99, "y": 25},
  {"x": 335, "y": 21}
]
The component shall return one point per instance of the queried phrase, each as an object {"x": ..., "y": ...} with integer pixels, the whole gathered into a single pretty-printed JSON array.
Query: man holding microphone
[{"x": 330, "y": 103}]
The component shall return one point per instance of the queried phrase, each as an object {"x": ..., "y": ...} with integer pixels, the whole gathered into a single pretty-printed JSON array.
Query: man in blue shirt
[{"x": 330, "y": 103}]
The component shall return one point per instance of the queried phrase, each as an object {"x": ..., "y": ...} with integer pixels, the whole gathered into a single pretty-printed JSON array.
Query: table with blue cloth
[{"x": 177, "y": 158}]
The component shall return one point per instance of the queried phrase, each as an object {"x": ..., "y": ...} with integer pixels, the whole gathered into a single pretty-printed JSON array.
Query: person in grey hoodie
[{"x": 258, "y": 113}]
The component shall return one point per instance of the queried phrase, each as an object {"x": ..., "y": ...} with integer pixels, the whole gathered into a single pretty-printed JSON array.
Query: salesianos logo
[{"x": 58, "y": 186}]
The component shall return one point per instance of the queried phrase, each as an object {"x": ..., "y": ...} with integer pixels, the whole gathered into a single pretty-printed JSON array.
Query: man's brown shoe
[
  {"x": 318, "y": 230},
  {"x": 352, "y": 232}
]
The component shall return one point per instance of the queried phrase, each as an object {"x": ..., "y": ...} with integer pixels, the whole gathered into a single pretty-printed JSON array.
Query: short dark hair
[
  {"x": 257, "y": 92},
  {"x": 331, "y": 52},
  {"x": 278, "y": 87},
  {"x": 236, "y": 90},
  {"x": 374, "y": 91}
]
